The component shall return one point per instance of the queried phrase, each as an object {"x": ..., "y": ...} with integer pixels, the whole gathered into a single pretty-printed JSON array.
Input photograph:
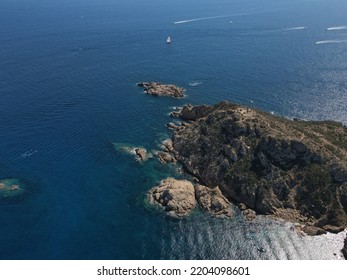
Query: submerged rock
[
  {"x": 159, "y": 89},
  {"x": 176, "y": 197},
  {"x": 10, "y": 188}
]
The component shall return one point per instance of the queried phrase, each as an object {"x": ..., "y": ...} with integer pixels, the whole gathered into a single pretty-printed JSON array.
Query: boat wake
[
  {"x": 295, "y": 28},
  {"x": 334, "y": 28},
  {"x": 206, "y": 18},
  {"x": 331, "y": 42}
]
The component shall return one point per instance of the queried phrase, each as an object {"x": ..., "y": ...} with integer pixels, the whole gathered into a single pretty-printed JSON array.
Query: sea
[{"x": 68, "y": 93}]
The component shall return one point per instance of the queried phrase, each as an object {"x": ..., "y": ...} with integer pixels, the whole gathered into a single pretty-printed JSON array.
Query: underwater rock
[{"x": 10, "y": 188}]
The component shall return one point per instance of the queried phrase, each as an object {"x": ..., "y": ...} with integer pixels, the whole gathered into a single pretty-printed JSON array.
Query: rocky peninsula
[
  {"x": 292, "y": 170},
  {"x": 159, "y": 89}
]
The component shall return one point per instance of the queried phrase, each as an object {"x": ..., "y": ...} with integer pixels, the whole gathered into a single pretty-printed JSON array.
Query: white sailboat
[{"x": 168, "y": 40}]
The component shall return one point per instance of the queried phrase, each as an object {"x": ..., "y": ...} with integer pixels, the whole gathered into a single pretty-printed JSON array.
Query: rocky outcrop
[
  {"x": 10, "y": 188},
  {"x": 294, "y": 170},
  {"x": 213, "y": 201},
  {"x": 159, "y": 89},
  {"x": 176, "y": 197},
  {"x": 248, "y": 214},
  {"x": 141, "y": 154},
  {"x": 165, "y": 158},
  {"x": 192, "y": 113},
  {"x": 179, "y": 197}
]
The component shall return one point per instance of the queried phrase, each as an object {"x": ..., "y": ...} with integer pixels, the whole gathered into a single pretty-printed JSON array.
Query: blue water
[{"x": 68, "y": 76}]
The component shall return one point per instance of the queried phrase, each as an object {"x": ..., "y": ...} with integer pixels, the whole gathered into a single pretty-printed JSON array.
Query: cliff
[{"x": 294, "y": 170}]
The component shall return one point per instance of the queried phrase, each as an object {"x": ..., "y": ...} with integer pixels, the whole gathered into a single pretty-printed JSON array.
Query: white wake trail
[
  {"x": 331, "y": 42},
  {"x": 206, "y": 18},
  {"x": 295, "y": 28},
  {"x": 337, "y": 28}
]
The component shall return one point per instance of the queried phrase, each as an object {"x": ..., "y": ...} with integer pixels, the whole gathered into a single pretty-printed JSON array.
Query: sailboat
[{"x": 168, "y": 40}]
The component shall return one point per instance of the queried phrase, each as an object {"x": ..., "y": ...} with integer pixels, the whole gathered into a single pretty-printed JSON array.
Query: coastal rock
[
  {"x": 293, "y": 170},
  {"x": 176, "y": 197},
  {"x": 248, "y": 214},
  {"x": 159, "y": 89},
  {"x": 168, "y": 146},
  {"x": 10, "y": 188},
  {"x": 213, "y": 201},
  {"x": 141, "y": 154},
  {"x": 192, "y": 113},
  {"x": 165, "y": 157}
]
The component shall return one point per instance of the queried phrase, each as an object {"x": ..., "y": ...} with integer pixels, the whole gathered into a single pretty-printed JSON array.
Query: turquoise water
[{"x": 68, "y": 77}]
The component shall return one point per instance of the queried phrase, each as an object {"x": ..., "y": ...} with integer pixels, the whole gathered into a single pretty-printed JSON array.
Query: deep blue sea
[{"x": 68, "y": 74}]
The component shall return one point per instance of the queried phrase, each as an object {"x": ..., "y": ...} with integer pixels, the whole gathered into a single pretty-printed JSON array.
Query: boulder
[{"x": 175, "y": 197}]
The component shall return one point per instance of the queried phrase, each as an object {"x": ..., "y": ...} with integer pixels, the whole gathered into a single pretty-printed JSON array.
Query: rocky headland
[
  {"x": 292, "y": 170},
  {"x": 159, "y": 89}
]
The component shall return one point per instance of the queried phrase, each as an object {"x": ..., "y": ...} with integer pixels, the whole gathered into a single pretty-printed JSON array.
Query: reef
[{"x": 10, "y": 188}]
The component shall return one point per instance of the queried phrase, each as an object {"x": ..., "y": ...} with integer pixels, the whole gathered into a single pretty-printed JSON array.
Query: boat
[{"x": 168, "y": 40}]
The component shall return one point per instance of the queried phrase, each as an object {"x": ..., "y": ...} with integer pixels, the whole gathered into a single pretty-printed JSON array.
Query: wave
[
  {"x": 337, "y": 28},
  {"x": 206, "y": 18},
  {"x": 331, "y": 42}
]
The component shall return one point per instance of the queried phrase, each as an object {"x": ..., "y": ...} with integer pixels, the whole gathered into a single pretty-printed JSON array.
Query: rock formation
[
  {"x": 179, "y": 197},
  {"x": 140, "y": 154},
  {"x": 294, "y": 170},
  {"x": 165, "y": 157},
  {"x": 213, "y": 201},
  {"x": 176, "y": 197},
  {"x": 159, "y": 89}
]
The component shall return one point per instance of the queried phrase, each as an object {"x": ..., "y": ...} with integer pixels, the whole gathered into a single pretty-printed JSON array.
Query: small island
[{"x": 159, "y": 89}]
